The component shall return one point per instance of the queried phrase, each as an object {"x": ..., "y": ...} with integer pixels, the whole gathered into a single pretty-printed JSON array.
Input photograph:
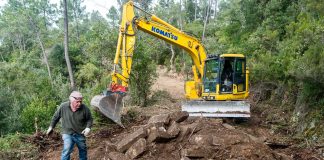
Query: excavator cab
[
  {"x": 224, "y": 88},
  {"x": 229, "y": 73}
]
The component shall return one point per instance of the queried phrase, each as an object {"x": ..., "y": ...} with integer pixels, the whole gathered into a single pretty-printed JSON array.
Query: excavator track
[{"x": 217, "y": 108}]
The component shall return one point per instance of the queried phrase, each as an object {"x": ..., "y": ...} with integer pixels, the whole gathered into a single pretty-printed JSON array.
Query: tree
[
  {"x": 144, "y": 4},
  {"x": 77, "y": 14},
  {"x": 32, "y": 14},
  {"x": 191, "y": 11},
  {"x": 206, "y": 18},
  {"x": 142, "y": 76},
  {"x": 113, "y": 16},
  {"x": 66, "y": 46}
]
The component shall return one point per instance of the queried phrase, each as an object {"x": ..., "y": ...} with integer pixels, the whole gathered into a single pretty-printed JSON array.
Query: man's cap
[{"x": 76, "y": 94}]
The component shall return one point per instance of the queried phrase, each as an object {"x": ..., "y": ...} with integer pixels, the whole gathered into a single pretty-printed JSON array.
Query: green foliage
[
  {"x": 282, "y": 39},
  {"x": 190, "y": 10},
  {"x": 56, "y": 58},
  {"x": 144, "y": 3},
  {"x": 99, "y": 43},
  {"x": 101, "y": 119},
  {"x": 18, "y": 89},
  {"x": 142, "y": 76},
  {"x": 37, "y": 113},
  {"x": 178, "y": 64},
  {"x": 195, "y": 29},
  {"x": 12, "y": 146},
  {"x": 87, "y": 74},
  {"x": 130, "y": 116},
  {"x": 9, "y": 115},
  {"x": 161, "y": 56},
  {"x": 312, "y": 94},
  {"x": 113, "y": 16},
  {"x": 161, "y": 97},
  {"x": 12, "y": 141}
]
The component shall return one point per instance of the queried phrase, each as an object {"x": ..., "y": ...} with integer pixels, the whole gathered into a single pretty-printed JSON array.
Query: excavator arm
[{"x": 155, "y": 26}]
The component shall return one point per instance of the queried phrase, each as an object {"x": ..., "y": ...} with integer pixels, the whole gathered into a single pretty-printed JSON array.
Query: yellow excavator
[{"x": 220, "y": 84}]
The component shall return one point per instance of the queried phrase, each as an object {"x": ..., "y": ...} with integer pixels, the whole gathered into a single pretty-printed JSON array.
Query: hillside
[
  {"x": 202, "y": 138},
  {"x": 48, "y": 50}
]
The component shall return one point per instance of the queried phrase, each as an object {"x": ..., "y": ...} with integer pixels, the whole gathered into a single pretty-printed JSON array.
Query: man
[
  {"x": 76, "y": 124},
  {"x": 227, "y": 77}
]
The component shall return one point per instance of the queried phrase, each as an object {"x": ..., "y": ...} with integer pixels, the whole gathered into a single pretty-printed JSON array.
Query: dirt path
[
  {"x": 168, "y": 82},
  {"x": 172, "y": 83}
]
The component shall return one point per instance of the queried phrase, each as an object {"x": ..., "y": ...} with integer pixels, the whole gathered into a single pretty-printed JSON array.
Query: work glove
[
  {"x": 86, "y": 131},
  {"x": 49, "y": 130}
]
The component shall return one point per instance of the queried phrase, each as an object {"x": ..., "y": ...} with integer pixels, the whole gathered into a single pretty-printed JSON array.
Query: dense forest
[{"x": 282, "y": 39}]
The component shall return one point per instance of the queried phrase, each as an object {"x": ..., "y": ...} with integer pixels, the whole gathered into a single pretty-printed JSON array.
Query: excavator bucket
[
  {"x": 217, "y": 108},
  {"x": 109, "y": 104}
]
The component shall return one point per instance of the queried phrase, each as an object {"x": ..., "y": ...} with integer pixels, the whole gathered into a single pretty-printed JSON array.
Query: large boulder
[
  {"x": 136, "y": 149},
  {"x": 161, "y": 119},
  {"x": 129, "y": 140},
  {"x": 179, "y": 116}
]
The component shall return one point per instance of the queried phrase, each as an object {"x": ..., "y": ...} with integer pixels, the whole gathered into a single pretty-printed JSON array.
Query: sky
[
  {"x": 2, "y": 2},
  {"x": 100, "y": 5},
  {"x": 91, "y": 5}
]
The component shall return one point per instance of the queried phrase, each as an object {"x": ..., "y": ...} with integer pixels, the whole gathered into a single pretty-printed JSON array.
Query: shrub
[
  {"x": 87, "y": 74},
  {"x": 161, "y": 96},
  {"x": 12, "y": 146},
  {"x": 39, "y": 112},
  {"x": 142, "y": 76},
  {"x": 131, "y": 115}
]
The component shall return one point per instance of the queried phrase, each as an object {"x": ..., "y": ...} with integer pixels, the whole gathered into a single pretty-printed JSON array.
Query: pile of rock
[
  {"x": 175, "y": 136},
  {"x": 159, "y": 129}
]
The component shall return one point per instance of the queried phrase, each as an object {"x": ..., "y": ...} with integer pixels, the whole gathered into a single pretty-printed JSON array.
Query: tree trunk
[
  {"x": 66, "y": 45},
  {"x": 41, "y": 44},
  {"x": 182, "y": 52},
  {"x": 20, "y": 43},
  {"x": 215, "y": 8},
  {"x": 2, "y": 57},
  {"x": 180, "y": 17},
  {"x": 45, "y": 57},
  {"x": 120, "y": 9},
  {"x": 76, "y": 20},
  {"x": 24, "y": 43},
  {"x": 206, "y": 19},
  {"x": 13, "y": 46},
  {"x": 196, "y": 4},
  {"x": 44, "y": 17},
  {"x": 172, "y": 58}
]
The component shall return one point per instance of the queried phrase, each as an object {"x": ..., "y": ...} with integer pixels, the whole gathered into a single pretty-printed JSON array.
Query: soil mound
[{"x": 174, "y": 136}]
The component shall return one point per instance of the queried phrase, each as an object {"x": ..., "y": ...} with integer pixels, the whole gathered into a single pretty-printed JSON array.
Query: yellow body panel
[
  {"x": 191, "y": 90},
  {"x": 232, "y": 55}
]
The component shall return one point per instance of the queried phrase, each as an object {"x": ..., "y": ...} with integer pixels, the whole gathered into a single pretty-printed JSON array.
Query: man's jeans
[{"x": 69, "y": 141}]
